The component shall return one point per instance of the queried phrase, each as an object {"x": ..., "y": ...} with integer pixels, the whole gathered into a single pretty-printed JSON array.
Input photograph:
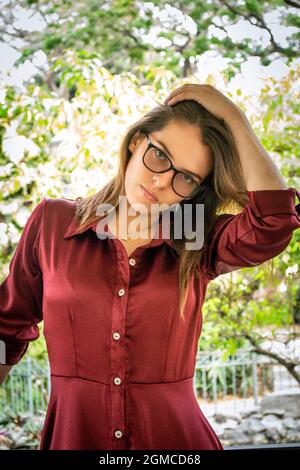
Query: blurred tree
[{"x": 127, "y": 32}]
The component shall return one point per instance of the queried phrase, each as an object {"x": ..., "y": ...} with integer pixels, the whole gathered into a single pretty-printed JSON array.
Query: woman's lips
[{"x": 148, "y": 195}]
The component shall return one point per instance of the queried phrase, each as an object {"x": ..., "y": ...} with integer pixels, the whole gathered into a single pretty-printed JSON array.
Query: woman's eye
[
  {"x": 160, "y": 154},
  {"x": 188, "y": 179}
]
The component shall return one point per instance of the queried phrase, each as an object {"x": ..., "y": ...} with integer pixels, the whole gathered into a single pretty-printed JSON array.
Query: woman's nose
[{"x": 163, "y": 180}]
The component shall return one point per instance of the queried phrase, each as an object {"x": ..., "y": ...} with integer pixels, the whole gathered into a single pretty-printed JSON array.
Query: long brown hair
[{"x": 223, "y": 190}]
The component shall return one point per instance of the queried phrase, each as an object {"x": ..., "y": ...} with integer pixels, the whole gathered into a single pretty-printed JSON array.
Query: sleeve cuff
[{"x": 14, "y": 353}]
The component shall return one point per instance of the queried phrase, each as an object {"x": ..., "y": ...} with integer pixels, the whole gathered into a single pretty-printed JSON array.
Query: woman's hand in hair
[{"x": 209, "y": 97}]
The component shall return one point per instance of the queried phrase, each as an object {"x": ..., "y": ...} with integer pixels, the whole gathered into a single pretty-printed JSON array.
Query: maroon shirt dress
[{"x": 122, "y": 361}]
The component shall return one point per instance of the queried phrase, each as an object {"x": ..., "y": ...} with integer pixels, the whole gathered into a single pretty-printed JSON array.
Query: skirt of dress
[{"x": 85, "y": 415}]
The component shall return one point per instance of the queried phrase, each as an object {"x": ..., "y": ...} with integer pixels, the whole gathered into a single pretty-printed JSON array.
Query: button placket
[{"x": 118, "y": 354}]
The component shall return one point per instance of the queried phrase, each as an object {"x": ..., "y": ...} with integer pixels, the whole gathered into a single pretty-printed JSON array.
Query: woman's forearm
[{"x": 259, "y": 170}]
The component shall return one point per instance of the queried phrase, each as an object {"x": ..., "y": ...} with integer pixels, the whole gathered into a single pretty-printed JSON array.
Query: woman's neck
[{"x": 119, "y": 225}]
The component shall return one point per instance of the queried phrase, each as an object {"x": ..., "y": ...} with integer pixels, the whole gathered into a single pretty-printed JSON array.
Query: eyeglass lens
[{"x": 157, "y": 162}]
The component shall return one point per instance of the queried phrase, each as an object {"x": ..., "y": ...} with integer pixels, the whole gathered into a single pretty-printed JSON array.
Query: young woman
[{"x": 122, "y": 314}]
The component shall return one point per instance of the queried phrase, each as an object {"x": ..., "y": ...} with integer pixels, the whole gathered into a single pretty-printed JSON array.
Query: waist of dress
[{"x": 125, "y": 381}]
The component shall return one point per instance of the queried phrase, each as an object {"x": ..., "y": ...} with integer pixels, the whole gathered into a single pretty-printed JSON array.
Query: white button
[
  {"x": 132, "y": 261},
  {"x": 118, "y": 433},
  {"x": 116, "y": 335},
  {"x": 121, "y": 292},
  {"x": 117, "y": 380}
]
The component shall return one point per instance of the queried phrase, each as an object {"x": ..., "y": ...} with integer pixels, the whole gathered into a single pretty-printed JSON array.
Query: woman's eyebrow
[{"x": 172, "y": 158}]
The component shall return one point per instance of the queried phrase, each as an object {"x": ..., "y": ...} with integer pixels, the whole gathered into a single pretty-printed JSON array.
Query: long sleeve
[
  {"x": 21, "y": 293},
  {"x": 260, "y": 232}
]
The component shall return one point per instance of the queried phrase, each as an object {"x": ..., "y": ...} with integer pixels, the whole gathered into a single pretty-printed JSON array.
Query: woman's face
[{"x": 186, "y": 152}]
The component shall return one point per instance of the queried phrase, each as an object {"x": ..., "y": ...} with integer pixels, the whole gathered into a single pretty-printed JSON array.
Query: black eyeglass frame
[{"x": 172, "y": 167}]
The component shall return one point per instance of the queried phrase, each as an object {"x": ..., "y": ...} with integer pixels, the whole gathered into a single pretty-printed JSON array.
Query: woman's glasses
[{"x": 157, "y": 161}]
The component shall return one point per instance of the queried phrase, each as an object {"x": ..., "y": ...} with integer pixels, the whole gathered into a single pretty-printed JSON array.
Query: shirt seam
[{"x": 37, "y": 240}]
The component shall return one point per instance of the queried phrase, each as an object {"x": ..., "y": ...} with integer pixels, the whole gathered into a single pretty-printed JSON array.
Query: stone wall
[{"x": 275, "y": 420}]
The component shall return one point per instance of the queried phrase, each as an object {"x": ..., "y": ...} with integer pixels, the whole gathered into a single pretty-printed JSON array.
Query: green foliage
[{"x": 87, "y": 26}]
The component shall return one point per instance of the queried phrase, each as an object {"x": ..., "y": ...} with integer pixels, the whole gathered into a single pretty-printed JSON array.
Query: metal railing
[
  {"x": 238, "y": 382},
  {"x": 26, "y": 389}
]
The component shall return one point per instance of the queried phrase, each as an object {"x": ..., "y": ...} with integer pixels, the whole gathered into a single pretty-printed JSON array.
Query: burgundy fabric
[{"x": 71, "y": 279}]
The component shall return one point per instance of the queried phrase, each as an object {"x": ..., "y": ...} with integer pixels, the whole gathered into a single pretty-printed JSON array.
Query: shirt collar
[{"x": 74, "y": 229}]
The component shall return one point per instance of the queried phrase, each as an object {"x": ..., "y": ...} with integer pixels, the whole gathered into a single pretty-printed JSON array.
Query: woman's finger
[
  {"x": 173, "y": 93},
  {"x": 174, "y": 96},
  {"x": 181, "y": 89},
  {"x": 184, "y": 95}
]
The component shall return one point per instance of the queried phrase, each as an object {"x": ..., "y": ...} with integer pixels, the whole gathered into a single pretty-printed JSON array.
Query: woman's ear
[{"x": 135, "y": 141}]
